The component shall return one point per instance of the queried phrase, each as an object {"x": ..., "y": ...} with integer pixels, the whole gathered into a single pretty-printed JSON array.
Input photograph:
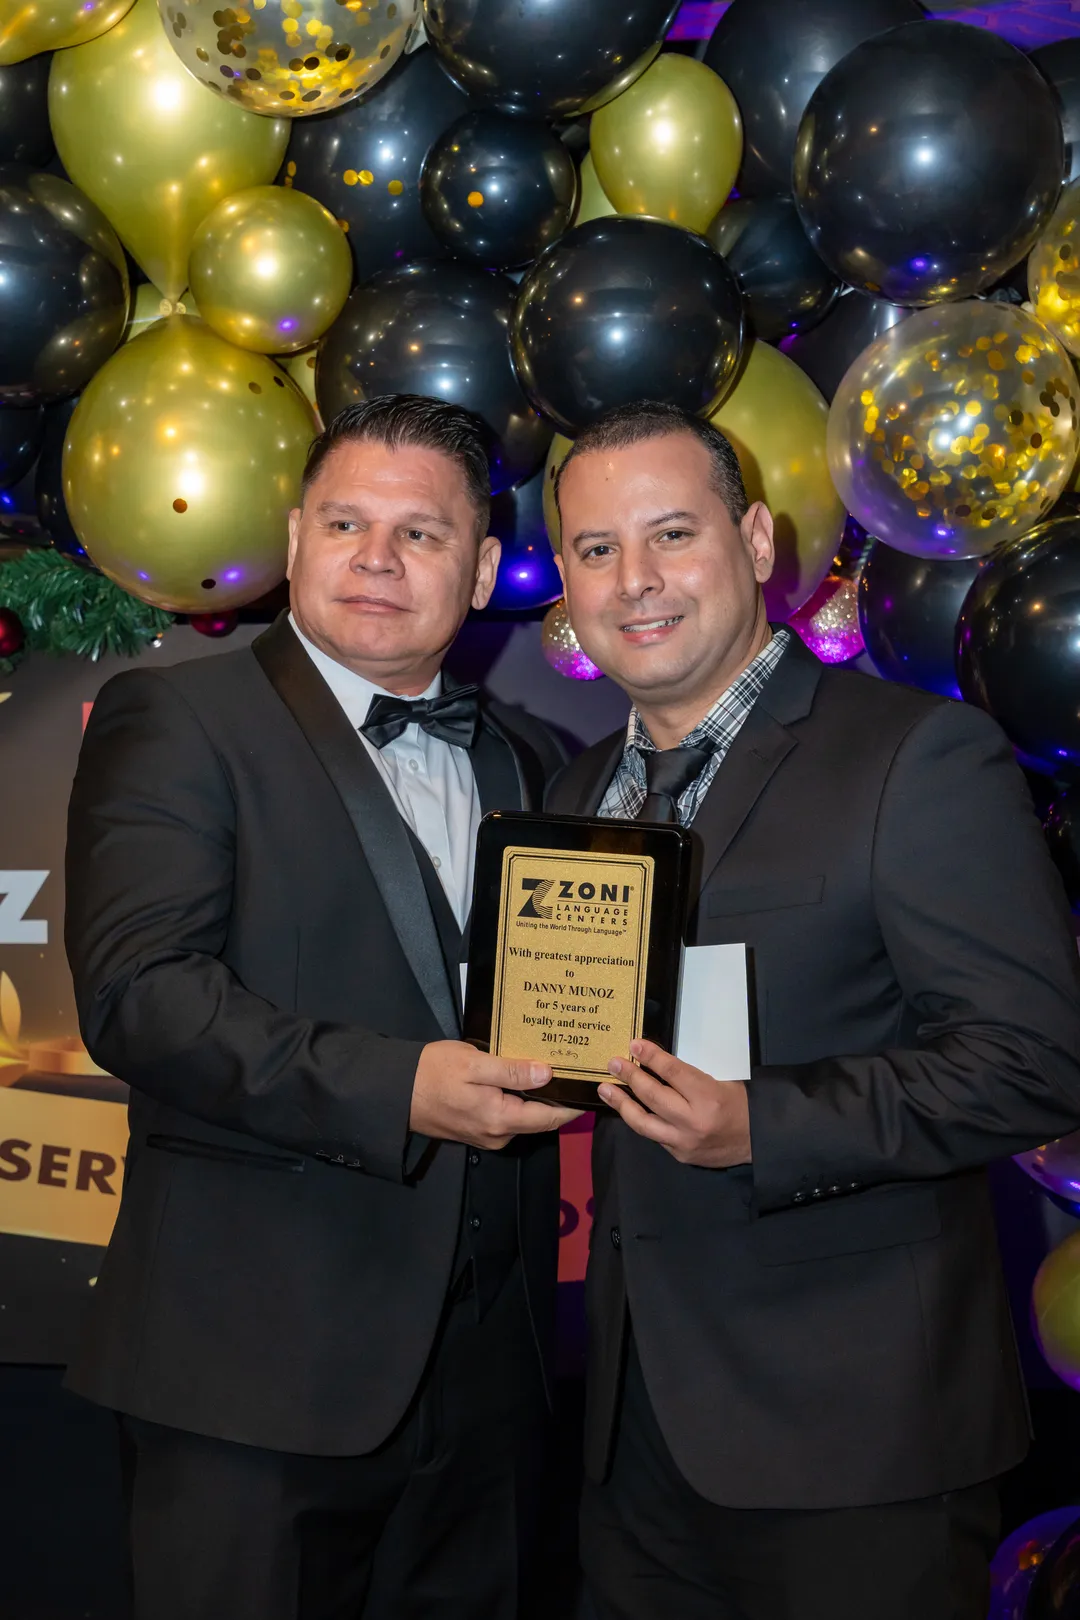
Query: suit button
[
  {"x": 853, "y": 1186},
  {"x": 798, "y": 1198},
  {"x": 616, "y": 1237},
  {"x": 835, "y": 1191},
  {"x": 474, "y": 1222},
  {"x": 474, "y": 1158},
  {"x": 818, "y": 1192}
]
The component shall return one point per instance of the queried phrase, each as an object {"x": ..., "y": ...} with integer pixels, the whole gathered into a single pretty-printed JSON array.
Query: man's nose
[
  {"x": 376, "y": 551},
  {"x": 639, "y": 573}
]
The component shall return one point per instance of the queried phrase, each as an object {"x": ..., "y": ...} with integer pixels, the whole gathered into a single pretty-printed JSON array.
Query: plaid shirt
[{"x": 626, "y": 793}]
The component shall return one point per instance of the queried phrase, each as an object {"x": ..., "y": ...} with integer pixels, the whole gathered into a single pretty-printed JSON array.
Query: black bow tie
[{"x": 454, "y": 717}]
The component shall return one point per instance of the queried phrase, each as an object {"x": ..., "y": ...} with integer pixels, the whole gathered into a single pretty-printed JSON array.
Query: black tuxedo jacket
[
  {"x": 254, "y": 950},
  {"x": 828, "y": 1327}
]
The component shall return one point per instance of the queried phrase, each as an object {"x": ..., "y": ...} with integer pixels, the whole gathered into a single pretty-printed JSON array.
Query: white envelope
[{"x": 712, "y": 1030}]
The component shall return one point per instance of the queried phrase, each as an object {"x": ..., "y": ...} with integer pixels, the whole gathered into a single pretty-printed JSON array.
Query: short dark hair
[
  {"x": 652, "y": 419},
  {"x": 394, "y": 420}
]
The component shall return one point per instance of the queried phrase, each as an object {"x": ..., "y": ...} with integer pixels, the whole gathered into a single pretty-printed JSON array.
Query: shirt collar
[
  {"x": 354, "y": 692},
  {"x": 750, "y": 681}
]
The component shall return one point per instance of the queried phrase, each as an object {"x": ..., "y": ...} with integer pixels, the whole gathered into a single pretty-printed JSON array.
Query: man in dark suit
[
  {"x": 325, "y": 1310},
  {"x": 802, "y": 1370}
]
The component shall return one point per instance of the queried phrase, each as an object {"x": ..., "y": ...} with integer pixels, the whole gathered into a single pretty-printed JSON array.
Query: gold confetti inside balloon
[
  {"x": 829, "y": 622},
  {"x": 671, "y": 145},
  {"x": 152, "y": 147},
  {"x": 182, "y": 461},
  {"x": 1055, "y": 1309},
  {"x": 562, "y": 649},
  {"x": 148, "y": 307},
  {"x": 557, "y": 454},
  {"x": 30, "y": 26},
  {"x": 777, "y": 422},
  {"x": 956, "y": 430},
  {"x": 270, "y": 269},
  {"x": 290, "y": 57},
  {"x": 1054, "y": 270}
]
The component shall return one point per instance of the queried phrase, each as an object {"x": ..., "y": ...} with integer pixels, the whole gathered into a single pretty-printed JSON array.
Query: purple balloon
[{"x": 1017, "y": 1560}]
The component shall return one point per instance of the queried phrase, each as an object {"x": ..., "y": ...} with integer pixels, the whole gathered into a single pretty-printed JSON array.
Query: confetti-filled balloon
[
  {"x": 829, "y": 622},
  {"x": 777, "y": 422},
  {"x": 270, "y": 269},
  {"x": 498, "y": 189},
  {"x": 1054, "y": 270},
  {"x": 670, "y": 145},
  {"x": 49, "y": 25},
  {"x": 150, "y": 146},
  {"x": 956, "y": 430},
  {"x": 181, "y": 465},
  {"x": 1055, "y": 1309},
  {"x": 289, "y": 58},
  {"x": 563, "y": 650}
]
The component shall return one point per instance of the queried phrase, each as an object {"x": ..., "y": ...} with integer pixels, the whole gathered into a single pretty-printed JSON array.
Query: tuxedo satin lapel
[
  {"x": 379, "y": 828},
  {"x": 497, "y": 769}
]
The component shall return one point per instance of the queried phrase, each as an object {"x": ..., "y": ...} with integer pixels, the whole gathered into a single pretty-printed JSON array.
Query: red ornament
[
  {"x": 214, "y": 624},
  {"x": 12, "y": 634}
]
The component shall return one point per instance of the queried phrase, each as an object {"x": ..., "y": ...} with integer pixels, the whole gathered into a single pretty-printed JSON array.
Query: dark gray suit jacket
[
  {"x": 829, "y": 1327},
  {"x": 254, "y": 950}
]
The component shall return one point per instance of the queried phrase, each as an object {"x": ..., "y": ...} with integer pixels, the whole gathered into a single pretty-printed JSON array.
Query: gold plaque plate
[{"x": 570, "y": 958}]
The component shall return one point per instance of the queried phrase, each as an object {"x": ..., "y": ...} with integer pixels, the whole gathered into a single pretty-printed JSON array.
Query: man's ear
[
  {"x": 756, "y": 529},
  {"x": 294, "y": 539},
  {"x": 487, "y": 566},
  {"x": 562, "y": 570}
]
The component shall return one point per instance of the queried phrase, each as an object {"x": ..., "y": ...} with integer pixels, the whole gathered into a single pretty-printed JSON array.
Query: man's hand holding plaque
[
  {"x": 697, "y": 1119},
  {"x": 462, "y": 1095}
]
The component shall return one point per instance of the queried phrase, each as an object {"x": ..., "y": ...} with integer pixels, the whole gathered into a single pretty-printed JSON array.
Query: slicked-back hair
[
  {"x": 652, "y": 419},
  {"x": 395, "y": 420}
]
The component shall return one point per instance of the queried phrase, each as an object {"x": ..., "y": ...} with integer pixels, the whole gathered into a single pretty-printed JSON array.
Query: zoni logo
[{"x": 537, "y": 889}]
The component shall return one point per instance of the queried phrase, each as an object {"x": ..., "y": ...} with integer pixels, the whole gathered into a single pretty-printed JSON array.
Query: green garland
[{"x": 66, "y": 608}]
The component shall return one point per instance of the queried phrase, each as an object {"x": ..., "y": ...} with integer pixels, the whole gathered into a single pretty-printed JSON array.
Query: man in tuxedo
[
  {"x": 325, "y": 1311},
  {"x": 802, "y": 1374}
]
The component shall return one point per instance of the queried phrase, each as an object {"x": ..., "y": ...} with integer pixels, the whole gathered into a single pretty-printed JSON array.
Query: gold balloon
[
  {"x": 148, "y": 307},
  {"x": 557, "y": 454},
  {"x": 290, "y": 58},
  {"x": 776, "y": 421},
  {"x": 301, "y": 368},
  {"x": 956, "y": 430},
  {"x": 671, "y": 145},
  {"x": 30, "y": 26},
  {"x": 182, "y": 461},
  {"x": 151, "y": 146},
  {"x": 1055, "y": 1309},
  {"x": 1054, "y": 270},
  {"x": 593, "y": 201},
  {"x": 270, "y": 269},
  {"x": 562, "y": 649},
  {"x": 622, "y": 80}
]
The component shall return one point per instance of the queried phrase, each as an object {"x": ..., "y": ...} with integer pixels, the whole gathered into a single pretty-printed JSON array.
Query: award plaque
[{"x": 576, "y": 943}]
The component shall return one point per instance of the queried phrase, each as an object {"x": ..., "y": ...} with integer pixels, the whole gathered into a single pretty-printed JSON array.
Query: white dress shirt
[{"x": 430, "y": 781}]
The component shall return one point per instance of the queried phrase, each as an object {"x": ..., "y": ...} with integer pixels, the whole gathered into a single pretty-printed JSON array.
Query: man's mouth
[
  {"x": 372, "y": 604},
  {"x": 640, "y": 627}
]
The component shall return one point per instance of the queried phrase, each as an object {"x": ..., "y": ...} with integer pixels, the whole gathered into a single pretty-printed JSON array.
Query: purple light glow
[
  {"x": 287, "y": 325},
  {"x": 1026, "y": 23},
  {"x": 232, "y": 575}
]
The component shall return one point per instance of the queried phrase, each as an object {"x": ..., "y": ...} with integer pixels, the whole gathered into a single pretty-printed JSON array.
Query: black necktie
[
  {"x": 453, "y": 718},
  {"x": 668, "y": 774}
]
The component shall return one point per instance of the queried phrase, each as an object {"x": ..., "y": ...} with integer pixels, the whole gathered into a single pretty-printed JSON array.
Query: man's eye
[
  {"x": 344, "y": 525},
  {"x": 415, "y": 534},
  {"x": 675, "y": 534},
  {"x": 601, "y": 550}
]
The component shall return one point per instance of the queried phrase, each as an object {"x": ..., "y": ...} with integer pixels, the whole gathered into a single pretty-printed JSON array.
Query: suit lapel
[
  {"x": 590, "y": 792},
  {"x": 379, "y": 828},
  {"x": 762, "y": 744}
]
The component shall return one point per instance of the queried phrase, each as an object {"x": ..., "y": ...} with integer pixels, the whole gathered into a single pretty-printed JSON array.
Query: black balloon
[
  {"x": 350, "y": 159},
  {"x": 20, "y": 440},
  {"x": 1055, "y": 1591},
  {"x": 908, "y": 610},
  {"x": 49, "y": 488},
  {"x": 772, "y": 55},
  {"x": 1018, "y": 647},
  {"x": 527, "y": 577},
  {"x": 853, "y": 322},
  {"x": 623, "y": 309},
  {"x": 63, "y": 288},
  {"x": 928, "y": 161},
  {"x": 25, "y": 136},
  {"x": 786, "y": 286},
  {"x": 545, "y": 58},
  {"x": 498, "y": 189},
  {"x": 1060, "y": 63},
  {"x": 438, "y": 328},
  {"x": 1062, "y": 828}
]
